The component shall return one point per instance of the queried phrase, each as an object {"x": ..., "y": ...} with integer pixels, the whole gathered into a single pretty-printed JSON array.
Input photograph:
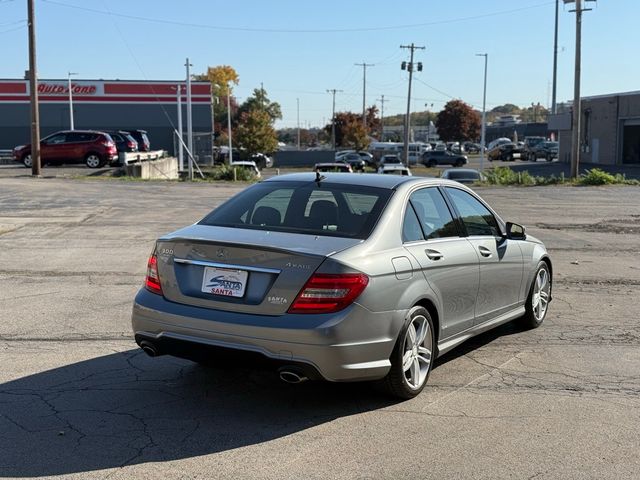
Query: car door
[
  {"x": 448, "y": 261},
  {"x": 501, "y": 261},
  {"x": 76, "y": 145},
  {"x": 52, "y": 147}
]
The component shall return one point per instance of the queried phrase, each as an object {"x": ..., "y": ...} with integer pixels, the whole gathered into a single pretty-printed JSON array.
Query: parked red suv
[{"x": 95, "y": 149}]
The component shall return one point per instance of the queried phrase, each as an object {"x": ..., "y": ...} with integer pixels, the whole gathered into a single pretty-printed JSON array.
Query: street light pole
[
  {"x": 189, "y": 121},
  {"x": 229, "y": 124},
  {"x": 71, "y": 125},
  {"x": 484, "y": 110},
  {"x": 333, "y": 117}
]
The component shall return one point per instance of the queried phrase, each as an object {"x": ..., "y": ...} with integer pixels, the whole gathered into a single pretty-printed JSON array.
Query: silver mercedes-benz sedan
[{"x": 341, "y": 277}]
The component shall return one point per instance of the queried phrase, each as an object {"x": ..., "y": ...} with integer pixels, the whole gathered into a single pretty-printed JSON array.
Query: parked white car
[{"x": 248, "y": 165}]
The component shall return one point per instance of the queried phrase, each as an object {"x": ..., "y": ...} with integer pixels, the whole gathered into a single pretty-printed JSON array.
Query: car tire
[
  {"x": 537, "y": 304},
  {"x": 27, "y": 161},
  {"x": 458, "y": 163},
  {"x": 431, "y": 163},
  {"x": 93, "y": 160},
  {"x": 509, "y": 158},
  {"x": 413, "y": 356}
]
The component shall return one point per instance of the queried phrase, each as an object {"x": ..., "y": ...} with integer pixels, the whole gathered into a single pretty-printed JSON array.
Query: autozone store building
[{"x": 106, "y": 105}]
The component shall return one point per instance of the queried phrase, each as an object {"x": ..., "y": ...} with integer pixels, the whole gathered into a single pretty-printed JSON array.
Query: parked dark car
[
  {"x": 462, "y": 175},
  {"x": 443, "y": 157},
  {"x": 354, "y": 159},
  {"x": 333, "y": 167},
  {"x": 546, "y": 150},
  {"x": 471, "y": 147},
  {"x": 507, "y": 152},
  {"x": 141, "y": 137},
  {"x": 124, "y": 141},
  {"x": 261, "y": 160},
  {"x": 93, "y": 148}
]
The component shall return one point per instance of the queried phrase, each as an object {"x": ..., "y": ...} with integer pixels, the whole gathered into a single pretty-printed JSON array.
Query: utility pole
[
  {"x": 298, "y": 119},
  {"x": 382, "y": 100},
  {"x": 575, "y": 141},
  {"x": 71, "y": 125},
  {"x": 409, "y": 66},
  {"x": 33, "y": 92},
  {"x": 364, "y": 66},
  {"x": 189, "y": 121},
  {"x": 555, "y": 63},
  {"x": 333, "y": 117},
  {"x": 484, "y": 110}
]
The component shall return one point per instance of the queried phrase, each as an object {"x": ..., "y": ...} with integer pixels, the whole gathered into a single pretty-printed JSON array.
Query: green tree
[
  {"x": 255, "y": 133},
  {"x": 458, "y": 121},
  {"x": 260, "y": 101}
]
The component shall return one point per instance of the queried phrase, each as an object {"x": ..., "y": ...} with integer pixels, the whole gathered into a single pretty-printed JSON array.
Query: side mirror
[{"x": 515, "y": 231}]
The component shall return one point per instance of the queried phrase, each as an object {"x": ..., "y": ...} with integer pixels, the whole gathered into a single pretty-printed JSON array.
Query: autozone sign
[{"x": 46, "y": 88}]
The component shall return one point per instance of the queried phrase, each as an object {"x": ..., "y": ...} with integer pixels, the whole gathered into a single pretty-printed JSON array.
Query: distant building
[
  {"x": 105, "y": 105},
  {"x": 418, "y": 133},
  {"x": 610, "y": 129}
]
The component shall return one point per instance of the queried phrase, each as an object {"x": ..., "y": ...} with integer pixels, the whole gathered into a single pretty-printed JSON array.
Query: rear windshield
[{"x": 330, "y": 209}]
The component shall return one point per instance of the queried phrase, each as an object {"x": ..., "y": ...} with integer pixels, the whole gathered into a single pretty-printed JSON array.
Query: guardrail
[
  {"x": 6, "y": 157},
  {"x": 127, "y": 158}
]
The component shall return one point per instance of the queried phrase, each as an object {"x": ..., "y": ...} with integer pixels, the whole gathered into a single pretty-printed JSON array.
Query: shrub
[
  {"x": 595, "y": 176},
  {"x": 225, "y": 172}
]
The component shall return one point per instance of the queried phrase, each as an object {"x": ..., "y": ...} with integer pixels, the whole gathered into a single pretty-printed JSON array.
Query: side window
[
  {"x": 433, "y": 214},
  {"x": 476, "y": 217},
  {"x": 55, "y": 139}
]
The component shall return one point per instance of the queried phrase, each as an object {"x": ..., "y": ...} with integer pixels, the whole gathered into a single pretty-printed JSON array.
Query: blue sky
[{"x": 300, "y": 49}]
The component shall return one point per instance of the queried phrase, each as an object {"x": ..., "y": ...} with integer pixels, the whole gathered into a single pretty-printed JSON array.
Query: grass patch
[{"x": 595, "y": 176}]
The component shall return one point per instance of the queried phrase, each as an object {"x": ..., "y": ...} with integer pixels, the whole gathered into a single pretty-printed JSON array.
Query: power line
[
  {"x": 276, "y": 30},
  {"x": 435, "y": 89}
]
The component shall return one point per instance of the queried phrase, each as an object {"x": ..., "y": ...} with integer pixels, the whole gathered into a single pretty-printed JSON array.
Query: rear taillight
[
  {"x": 328, "y": 293},
  {"x": 152, "y": 281},
  {"x": 131, "y": 144}
]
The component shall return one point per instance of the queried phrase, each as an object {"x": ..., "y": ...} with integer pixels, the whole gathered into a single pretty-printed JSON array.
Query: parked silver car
[{"x": 341, "y": 277}]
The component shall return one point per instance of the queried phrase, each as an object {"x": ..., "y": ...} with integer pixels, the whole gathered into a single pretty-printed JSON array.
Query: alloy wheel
[
  {"x": 93, "y": 161},
  {"x": 417, "y": 356},
  {"x": 540, "y": 297},
  {"x": 28, "y": 162}
]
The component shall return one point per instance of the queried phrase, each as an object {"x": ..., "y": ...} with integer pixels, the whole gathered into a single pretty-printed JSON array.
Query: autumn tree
[
  {"x": 222, "y": 79},
  {"x": 255, "y": 133},
  {"x": 458, "y": 121}
]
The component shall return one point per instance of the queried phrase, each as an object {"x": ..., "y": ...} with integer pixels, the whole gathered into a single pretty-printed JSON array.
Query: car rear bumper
[{"x": 351, "y": 345}]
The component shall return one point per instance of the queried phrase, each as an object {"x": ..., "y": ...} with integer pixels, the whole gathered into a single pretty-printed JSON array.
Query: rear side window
[
  {"x": 302, "y": 207},
  {"x": 79, "y": 137}
]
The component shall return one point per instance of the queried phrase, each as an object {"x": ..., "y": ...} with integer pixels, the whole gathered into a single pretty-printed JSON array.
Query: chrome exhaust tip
[
  {"x": 149, "y": 349},
  {"x": 291, "y": 376}
]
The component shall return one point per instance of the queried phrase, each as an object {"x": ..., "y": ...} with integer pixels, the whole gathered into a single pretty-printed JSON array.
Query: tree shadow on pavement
[{"x": 126, "y": 408}]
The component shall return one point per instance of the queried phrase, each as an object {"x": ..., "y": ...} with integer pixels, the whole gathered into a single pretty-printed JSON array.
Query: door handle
[
  {"x": 484, "y": 251},
  {"x": 433, "y": 254}
]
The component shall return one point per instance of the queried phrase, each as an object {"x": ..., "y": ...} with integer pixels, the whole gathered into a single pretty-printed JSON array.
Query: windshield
[{"x": 304, "y": 207}]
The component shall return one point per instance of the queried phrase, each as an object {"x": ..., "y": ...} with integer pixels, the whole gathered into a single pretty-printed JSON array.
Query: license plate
[{"x": 224, "y": 281}]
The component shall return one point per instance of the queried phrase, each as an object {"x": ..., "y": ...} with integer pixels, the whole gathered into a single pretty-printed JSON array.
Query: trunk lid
[{"x": 240, "y": 270}]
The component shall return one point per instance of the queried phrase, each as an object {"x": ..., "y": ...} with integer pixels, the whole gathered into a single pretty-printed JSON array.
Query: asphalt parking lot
[{"x": 79, "y": 400}]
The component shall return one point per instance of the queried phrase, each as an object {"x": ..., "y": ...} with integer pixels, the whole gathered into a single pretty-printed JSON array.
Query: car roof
[{"x": 364, "y": 179}]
